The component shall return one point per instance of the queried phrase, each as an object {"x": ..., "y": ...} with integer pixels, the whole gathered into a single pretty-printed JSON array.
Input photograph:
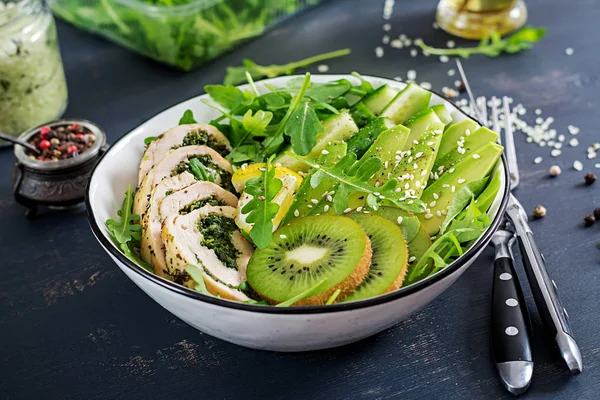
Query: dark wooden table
[{"x": 72, "y": 326}]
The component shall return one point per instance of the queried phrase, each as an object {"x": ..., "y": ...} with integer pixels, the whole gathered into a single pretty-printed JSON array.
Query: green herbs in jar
[{"x": 33, "y": 89}]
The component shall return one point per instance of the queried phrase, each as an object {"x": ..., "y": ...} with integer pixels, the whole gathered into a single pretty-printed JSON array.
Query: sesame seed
[
  {"x": 476, "y": 156},
  {"x": 379, "y": 51},
  {"x": 411, "y": 74},
  {"x": 347, "y": 210},
  {"x": 457, "y": 83},
  {"x": 399, "y": 220},
  {"x": 359, "y": 209},
  {"x": 569, "y": 51},
  {"x": 538, "y": 160},
  {"x": 314, "y": 201},
  {"x": 323, "y": 68},
  {"x": 436, "y": 196},
  {"x": 451, "y": 170},
  {"x": 597, "y": 165},
  {"x": 396, "y": 44},
  {"x": 283, "y": 236},
  {"x": 326, "y": 208},
  {"x": 411, "y": 259},
  {"x": 432, "y": 204},
  {"x": 329, "y": 198},
  {"x": 461, "y": 180},
  {"x": 413, "y": 53},
  {"x": 438, "y": 213},
  {"x": 538, "y": 111},
  {"x": 578, "y": 165},
  {"x": 555, "y": 153},
  {"x": 324, "y": 152},
  {"x": 451, "y": 72},
  {"x": 419, "y": 154},
  {"x": 428, "y": 216},
  {"x": 309, "y": 206},
  {"x": 450, "y": 44},
  {"x": 453, "y": 189},
  {"x": 444, "y": 59},
  {"x": 409, "y": 202},
  {"x": 385, "y": 39},
  {"x": 573, "y": 142},
  {"x": 296, "y": 213},
  {"x": 445, "y": 185},
  {"x": 425, "y": 85}
]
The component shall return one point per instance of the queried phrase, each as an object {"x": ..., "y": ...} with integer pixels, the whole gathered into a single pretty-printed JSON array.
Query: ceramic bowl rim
[{"x": 455, "y": 266}]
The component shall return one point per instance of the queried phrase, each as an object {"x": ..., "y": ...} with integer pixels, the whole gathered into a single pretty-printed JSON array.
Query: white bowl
[{"x": 263, "y": 327}]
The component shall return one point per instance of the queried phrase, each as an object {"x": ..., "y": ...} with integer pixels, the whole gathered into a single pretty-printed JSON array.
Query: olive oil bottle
[{"x": 474, "y": 19}]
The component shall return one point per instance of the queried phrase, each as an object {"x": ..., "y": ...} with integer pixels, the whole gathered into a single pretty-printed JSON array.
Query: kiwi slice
[
  {"x": 389, "y": 260},
  {"x": 305, "y": 252}
]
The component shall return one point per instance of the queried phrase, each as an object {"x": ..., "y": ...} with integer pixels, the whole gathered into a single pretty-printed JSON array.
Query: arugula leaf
[
  {"x": 199, "y": 171},
  {"x": 256, "y": 124},
  {"x": 321, "y": 92},
  {"x": 127, "y": 232},
  {"x": 302, "y": 128},
  {"x": 237, "y": 75},
  {"x": 304, "y": 295},
  {"x": 461, "y": 198},
  {"x": 462, "y": 231},
  {"x": 493, "y": 45},
  {"x": 333, "y": 297},
  {"x": 187, "y": 118},
  {"x": 150, "y": 139},
  {"x": 196, "y": 275},
  {"x": 273, "y": 143},
  {"x": 353, "y": 176},
  {"x": 227, "y": 96},
  {"x": 260, "y": 209}
]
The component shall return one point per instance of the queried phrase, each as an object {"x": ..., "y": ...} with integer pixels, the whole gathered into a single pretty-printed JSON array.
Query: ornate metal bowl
[{"x": 55, "y": 184}]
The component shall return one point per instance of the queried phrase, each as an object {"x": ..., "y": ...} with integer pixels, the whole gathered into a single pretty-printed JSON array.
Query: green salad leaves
[
  {"x": 493, "y": 45},
  {"x": 261, "y": 210},
  {"x": 127, "y": 232}
]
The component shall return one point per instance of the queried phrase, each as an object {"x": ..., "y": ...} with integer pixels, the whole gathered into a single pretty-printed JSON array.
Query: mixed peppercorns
[
  {"x": 589, "y": 178},
  {"x": 61, "y": 142},
  {"x": 539, "y": 212}
]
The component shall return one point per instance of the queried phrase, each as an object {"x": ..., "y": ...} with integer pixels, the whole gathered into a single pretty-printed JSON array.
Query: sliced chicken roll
[
  {"x": 149, "y": 216},
  {"x": 183, "y": 201},
  {"x": 178, "y": 161},
  {"x": 180, "y": 136},
  {"x": 208, "y": 238}
]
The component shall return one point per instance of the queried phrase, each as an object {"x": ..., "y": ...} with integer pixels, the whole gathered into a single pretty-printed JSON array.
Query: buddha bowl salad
[{"x": 310, "y": 194}]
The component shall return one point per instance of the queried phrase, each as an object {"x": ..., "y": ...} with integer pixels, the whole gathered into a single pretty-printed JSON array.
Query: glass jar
[
  {"x": 474, "y": 19},
  {"x": 33, "y": 89}
]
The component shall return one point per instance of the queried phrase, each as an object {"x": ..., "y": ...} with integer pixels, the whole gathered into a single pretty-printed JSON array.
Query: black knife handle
[{"x": 511, "y": 330}]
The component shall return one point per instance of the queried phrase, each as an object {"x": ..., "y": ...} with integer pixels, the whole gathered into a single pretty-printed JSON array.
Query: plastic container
[
  {"x": 184, "y": 34},
  {"x": 33, "y": 89}
]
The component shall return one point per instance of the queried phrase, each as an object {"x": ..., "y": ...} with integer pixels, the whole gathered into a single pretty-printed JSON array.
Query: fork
[{"x": 554, "y": 316}]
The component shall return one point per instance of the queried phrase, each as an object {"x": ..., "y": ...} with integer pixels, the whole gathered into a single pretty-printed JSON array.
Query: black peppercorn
[
  {"x": 590, "y": 178},
  {"x": 589, "y": 220},
  {"x": 597, "y": 213}
]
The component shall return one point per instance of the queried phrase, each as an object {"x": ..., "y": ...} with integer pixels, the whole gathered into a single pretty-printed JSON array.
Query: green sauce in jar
[{"x": 33, "y": 89}]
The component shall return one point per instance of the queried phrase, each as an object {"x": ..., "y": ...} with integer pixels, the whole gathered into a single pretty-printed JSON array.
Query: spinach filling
[
  {"x": 212, "y": 168},
  {"x": 211, "y": 201},
  {"x": 216, "y": 233},
  {"x": 201, "y": 138}
]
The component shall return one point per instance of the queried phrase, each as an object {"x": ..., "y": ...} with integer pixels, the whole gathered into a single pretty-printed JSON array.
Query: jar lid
[{"x": 23, "y": 158}]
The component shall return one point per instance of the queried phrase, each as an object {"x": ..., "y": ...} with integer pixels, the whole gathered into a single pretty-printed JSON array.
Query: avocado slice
[
  {"x": 409, "y": 223},
  {"x": 453, "y": 134},
  {"x": 420, "y": 124},
  {"x": 439, "y": 195},
  {"x": 412, "y": 167},
  {"x": 471, "y": 141},
  {"x": 304, "y": 203}
]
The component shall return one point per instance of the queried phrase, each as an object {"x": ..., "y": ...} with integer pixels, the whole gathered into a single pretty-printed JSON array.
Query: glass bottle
[
  {"x": 33, "y": 89},
  {"x": 474, "y": 19}
]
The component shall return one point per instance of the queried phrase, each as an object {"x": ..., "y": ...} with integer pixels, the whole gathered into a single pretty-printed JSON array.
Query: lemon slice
[
  {"x": 291, "y": 182},
  {"x": 242, "y": 175}
]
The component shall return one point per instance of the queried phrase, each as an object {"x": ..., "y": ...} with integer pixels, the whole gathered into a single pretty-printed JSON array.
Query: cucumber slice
[
  {"x": 360, "y": 142},
  {"x": 380, "y": 98},
  {"x": 423, "y": 123},
  {"x": 362, "y": 115},
  {"x": 443, "y": 114},
  {"x": 336, "y": 128},
  {"x": 410, "y": 101},
  {"x": 439, "y": 194},
  {"x": 303, "y": 204}
]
